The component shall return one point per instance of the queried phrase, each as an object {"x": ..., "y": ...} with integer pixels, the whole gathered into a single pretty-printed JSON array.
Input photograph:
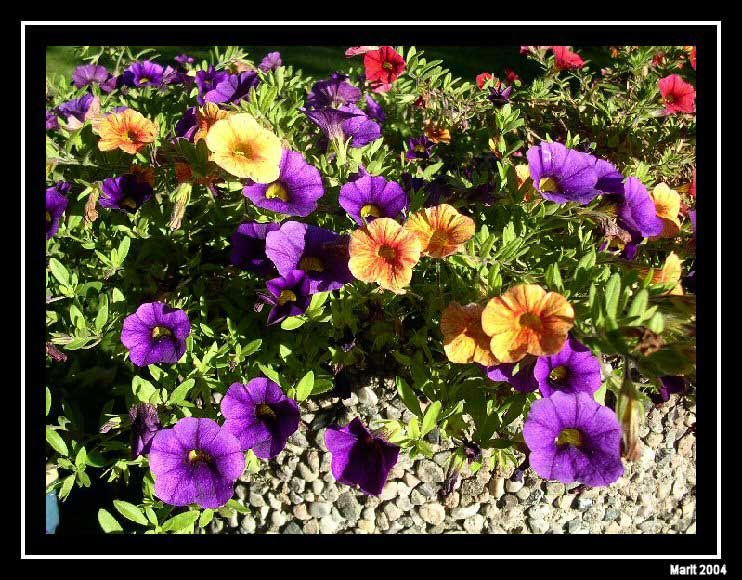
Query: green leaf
[
  {"x": 181, "y": 391},
  {"x": 180, "y": 522},
  {"x": 206, "y": 516},
  {"x": 293, "y": 322},
  {"x": 108, "y": 523},
  {"x": 322, "y": 386},
  {"x": 66, "y": 488},
  {"x": 55, "y": 440},
  {"x": 431, "y": 417},
  {"x": 252, "y": 347},
  {"x": 130, "y": 512},
  {"x": 408, "y": 397},
  {"x": 305, "y": 386},
  {"x": 102, "y": 317},
  {"x": 639, "y": 304},
  {"x": 59, "y": 272},
  {"x": 612, "y": 294},
  {"x": 48, "y": 401},
  {"x": 413, "y": 428}
]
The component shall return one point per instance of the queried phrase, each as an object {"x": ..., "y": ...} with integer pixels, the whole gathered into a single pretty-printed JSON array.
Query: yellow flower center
[
  {"x": 530, "y": 320},
  {"x": 132, "y": 135},
  {"x": 419, "y": 148},
  {"x": 160, "y": 332},
  {"x": 144, "y": 80},
  {"x": 387, "y": 66},
  {"x": 128, "y": 202},
  {"x": 277, "y": 190},
  {"x": 558, "y": 374},
  {"x": 243, "y": 150},
  {"x": 370, "y": 210},
  {"x": 286, "y": 296},
  {"x": 310, "y": 264},
  {"x": 387, "y": 252},
  {"x": 48, "y": 217},
  {"x": 264, "y": 410},
  {"x": 570, "y": 437},
  {"x": 548, "y": 184},
  {"x": 196, "y": 455}
]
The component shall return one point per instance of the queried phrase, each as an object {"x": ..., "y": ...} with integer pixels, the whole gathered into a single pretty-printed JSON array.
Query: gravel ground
[{"x": 297, "y": 494}]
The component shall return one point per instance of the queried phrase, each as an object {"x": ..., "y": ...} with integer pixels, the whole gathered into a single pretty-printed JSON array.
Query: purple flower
[
  {"x": 271, "y": 61},
  {"x": 522, "y": 381},
  {"x": 610, "y": 179},
  {"x": 296, "y": 190},
  {"x": 260, "y": 416},
  {"x": 56, "y": 204},
  {"x": 374, "y": 110},
  {"x": 76, "y": 107},
  {"x": 187, "y": 125},
  {"x": 359, "y": 457},
  {"x": 331, "y": 121},
  {"x": 321, "y": 253},
  {"x": 146, "y": 74},
  {"x": 289, "y": 295},
  {"x": 126, "y": 193},
  {"x": 196, "y": 462},
  {"x": 184, "y": 59},
  {"x": 371, "y": 197},
  {"x": 334, "y": 93},
  {"x": 562, "y": 174},
  {"x": 93, "y": 74},
  {"x": 499, "y": 94},
  {"x": 145, "y": 423},
  {"x": 573, "y": 438},
  {"x": 248, "y": 247},
  {"x": 156, "y": 333},
  {"x": 360, "y": 128},
  {"x": 234, "y": 88},
  {"x": 420, "y": 148},
  {"x": 670, "y": 385},
  {"x": 636, "y": 211},
  {"x": 207, "y": 81},
  {"x": 573, "y": 369},
  {"x": 52, "y": 121}
]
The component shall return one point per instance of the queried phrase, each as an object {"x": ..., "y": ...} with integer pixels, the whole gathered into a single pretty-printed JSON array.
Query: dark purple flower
[
  {"x": 420, "y": 148},
  {"x": 374, "y": 110},
  {"x": 359, "y": 457},
  {"x": 184, "y": 59},
  {"x": 522, "y": 381},
  {"x": 156, "y": 333},
  {"x": 260, "y": 416},
  {"x": 636, "y": 211},
  {"x": 321, "y": 253},
  {"x": 196, "y": 462},
  {"x": 248, "y": 247},
  {"x": 234, "y": 88},
  {"x": 271, "y": 61},
  {"x": 371, "y": 197},
  {"x": 145, "y": 74},
  {"x": 289, "y": 295},
  {"x": 93, "y": 74},
  {"x": 145, "y": 423},
  {"x": 573, "y": 369},
  {"x": 360, "y": 128},
  {"x": 126, "y": 193},
  {"x": 56, "y": 204},
  {"x": 334, "y": 93},
  {"x": 572, "y": 438},
  {"x": 499, "y": 94},
  {"x": 670, "y": 385},
  {"x": 296, "y": 190},
  {"x": 52, "y": 121},
  {"x": 331, "y": 121},
  {"x": 562, "y": 174},
  {"x": 187, "y": 125},
  {"x": 76, "y": 107},
  {"x": 610, "y": 179},
  {"x": 207, "y": 81}
]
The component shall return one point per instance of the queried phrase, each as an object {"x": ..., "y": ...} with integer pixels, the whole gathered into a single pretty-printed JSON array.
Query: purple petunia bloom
[
  {"x": 126, "y": 193},
  {"x": 156, "y": 333},
  {"x": 522, "y": 381},
  {"x": 234, "y": 88},
  {"x": 610, "y": 179},
  {"x": 670, "y": 385},
  {"x": 636, "y": 211},
  {"x": 359, "y": 457},
  {"x": 289, "y": 295},
  {"x": 187, "y": 125},
  {"x": 321, "y": 253},
  {"x": 295, "y": 192},
  {"x": 56, "y": 204},
  {"x": 562, "y": 174},
  {"x": 196, "y": 462},
  {"x": 331, "y": 121},
  {"x": 334, "y": 92},
  {"x": 52, "y": 121},
  {"x": 499, "y": 94},
  {"x": 145, "y": 423},
  {"x": 360, "y": 128},
  {"x": 207, "y": 81},
  {"x": 374, "y": 110},
  {"x": 260, "y": 416},
  {"x": 271, "y": 61},
  {"x": 371, "y": 197},
  {"x": 572, "y": 438},
  {"x": 248, "y": 247},
  {"x": 184, "y": 59},
  {"x": 76, "y": 107},
  {"x": 573, "y": 369},
  {"x": 420, "y": 148},
  {"x": 146, "y": 74},
  {"x": 93, "y": 74}
]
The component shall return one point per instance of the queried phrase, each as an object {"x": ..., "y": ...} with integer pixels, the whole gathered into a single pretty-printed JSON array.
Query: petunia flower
[
  {"x": 437, "y": 133},
  {"x": 331, "y": 121},
  {"x": 184, "y": 59},
  {"x": 566, "y": 59},
  {"x": 464, "y": 341},
  {"x": 670, "y": 273},
  {"x": 521, "y": 380},
  {"x": 93, "y": 74},
  {"x": 511, "y": 76},
  {"x": 374, "y": 110},
  {"x": 145, "y": 423},
  {"x": 667, "y": 204},
  {"x": 56, "y": 204},
  {"x": 482, "y": 79},
  {"x": 610, "y": 180},
  {"x": 420, "y": 148},
  {"x": 76, "y": 108},
  {"x": 126, "y": 193},
  {"x": 669, "y": 385},
  {"x": 359, "y": 457},
  {"x": 52, "y": 121},
  {"x": 636, "y": 212},
  {"x": 271, "y": 61},
  {"x": 146, "y": 74},
  {"x": 442, "y": 230},
  {"x": 356, "y": 50},
  {"x": 321, "y": 253},
  {"x": 562, "y": 174},
  {"x": 334, "y": 92},
  {"x": 500, "y": 94},
  {"x": 572, "y": 438},
  {"x": 128, "y": 130},
  {"x": 679, "y": 96},
  {"x": 385, "y": 253},
  {"x": 196, "y": 462},
  {"x": 260, "y": 416},
  {"x": 234, "y": 88},
  {"x": 248, "y": 247},
  {"x": 243, "y": 148},
  {"x": 527, "y": 320},
  {"x": 207, "y": 80},
  {"x": 289, "y": 295},
  {"x": 370, "y": 197},
  {"x": 295, "y": 192},
  {"x": 573, "y": 369},
  {"x": 156, "y": 333},
  {"x": 360, "y": 128},
  {"x": 693, "y": 58},
  {"x": 383, "y": 66}
]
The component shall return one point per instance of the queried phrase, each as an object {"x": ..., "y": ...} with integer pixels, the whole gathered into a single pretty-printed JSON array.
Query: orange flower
[
  {"x": 442, "y": 230},
  {"x": 206, "y": 116},
  {"x": 145, "y": 173},
  {"x": 128, "y": 130},
  {"x": 527, "y": 320},
  {"x": 463, "y": 338},
  {"x": 670, "y": 272},
  {"x": 385, "y": 253},
  {"x": 667, "y": 202},
  {"x": 436, "y": 133}
]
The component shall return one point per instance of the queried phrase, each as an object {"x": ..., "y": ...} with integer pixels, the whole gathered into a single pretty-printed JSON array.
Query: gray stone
[
  {"x": 292, "y": 528},
  {"x": 348, "y": 506},
  {"x": 319, "y": 509},
  {"x": 432, "y": 513},
  {"x": 429, "y": 472},
  {"x": 463, "y": 513}
]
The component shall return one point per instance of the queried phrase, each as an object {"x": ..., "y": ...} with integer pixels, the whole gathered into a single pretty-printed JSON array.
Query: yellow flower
[
  {"x": 128, "y": 130},
  {"x": 385, "y": 253},
  {"x": 670, "y": 272},
  {"x": 245, "y": 149},
  {"x": 464, "y": 340},
  {"x": 527, "y": 320},
  {"x": 436, "y": 133},
  {"x": 667, "y": 202},
  {"x": 441, "y": 229},
  {"x": 206, "y": 117}
]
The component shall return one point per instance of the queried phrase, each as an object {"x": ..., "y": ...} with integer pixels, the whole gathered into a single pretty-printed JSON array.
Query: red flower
[
  {"x": 481, "y": 79},
  {"x": 680, "y": 97},
  {"x": 693, "y": 58},
  {"x": 511, "y": 76},
  {"x": 566, "y": 59},
  {"x": 383, "y": 66}
]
